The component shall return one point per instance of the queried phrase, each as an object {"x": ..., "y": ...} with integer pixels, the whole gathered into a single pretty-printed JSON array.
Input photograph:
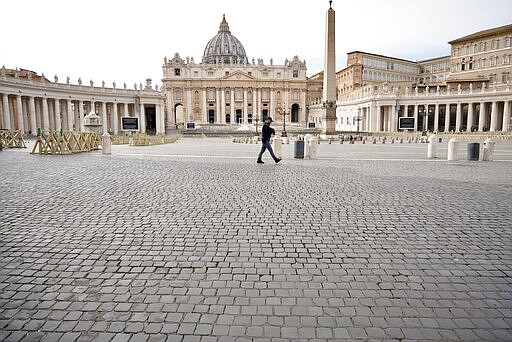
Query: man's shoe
[
  {"x": 260, "y": 161},
  {"x": 277, "y": 160}
]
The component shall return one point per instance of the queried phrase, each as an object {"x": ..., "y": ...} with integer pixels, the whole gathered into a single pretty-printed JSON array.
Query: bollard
[
  {"x": 374, "y": 141},
  {"x": 392, "y": 140},
  {"x": 106, "y": 143},
  {"x": 307, "y": 139},
  {"x": 453, "y": 144},
  {"x": 313, "y": 148},
  {"x": 473, "y": 151},
  {"x": 401, "y": 140},
  {"x": 488, "y": 153},
  {"x": 431, "y": 150},
  {"x": 278, "y": 142},
  {"x": 363, "y": 141}
]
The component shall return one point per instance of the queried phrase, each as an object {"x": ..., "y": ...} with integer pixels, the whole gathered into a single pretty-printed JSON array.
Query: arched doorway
[
  {"x": 211, "y": 116},
  {"x": 179, "y": 112},
  {"x": 295, "y": 113}
]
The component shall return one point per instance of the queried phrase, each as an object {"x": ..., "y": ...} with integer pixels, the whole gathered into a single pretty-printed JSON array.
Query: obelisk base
[{"x": 329, "y": 121}]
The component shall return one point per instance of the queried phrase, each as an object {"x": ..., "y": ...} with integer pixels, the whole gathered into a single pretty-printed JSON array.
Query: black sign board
[
  {"x": 406, "y": 123},
  {"x": 129, "y": 124},
  {"x": 311, "y": 125},
  {"x": 191, "y": 125}
]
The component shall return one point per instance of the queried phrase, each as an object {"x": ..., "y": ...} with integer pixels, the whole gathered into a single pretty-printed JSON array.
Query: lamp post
[{"x": 283, "y": 112}]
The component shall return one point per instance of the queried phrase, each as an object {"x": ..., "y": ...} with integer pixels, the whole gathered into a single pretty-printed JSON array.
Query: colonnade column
[
  {"x": 190, "y": 113},
  {"x": 32, "y": 112},
  {"x": 436, "y": 117},
  {"x": 81, "y": 115},
  {"x": 393, "y": 119},
  {"x": 70, "y": 115},
  {"x": 494, "y": 116},
  {"x": 19, "y": 107},
  {"x": 458, "y": 117},
  {"x": 158, "y": 119},
  {"x": 379, "y": 119},
  {"x": 470, "y": 117},
  {"x": 447, "y": 118},
  {"x": 415, "y": 118},
  {"x": 116, "y": 119},
  {"x": 481, "y": 117},
  {"x": 56, "y": 113},
  {"x": 7, "y": 114},
  {"x": 104, "y": 117},
  {"x": 46, "y": 116},
  {"x": 506, "y": 116},
  {"x": 142, "y": 116}
]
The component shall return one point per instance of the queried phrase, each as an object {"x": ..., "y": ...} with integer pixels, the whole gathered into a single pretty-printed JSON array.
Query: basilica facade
[{"x": 228, "y": 88}]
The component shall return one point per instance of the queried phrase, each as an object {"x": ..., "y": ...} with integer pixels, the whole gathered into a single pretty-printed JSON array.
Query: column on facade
[
  {"x": 506, "y": 116},
  {"x": 46, "y": 116},
  {"x": 232, "y": 105},
  {"x": 204, "y": 106},
  {"x": 70, "y": 115},
  {"x": 190, "y": 114},
  {"x": 115, "y": 118},
  {"x": 447, "y": 118},
  {"x": 416, "y": 117},
  {"x": 470, "y": 117},
  {"x": 64, "y": 116},
  {"x": 223, "y": 105},
  {"x": 104, "y": 122},
  {"x": 218, "y": 103},
  {"x": 271, "y": 105},
  {"x": 494, "y": 116},
  {"x": 56, "y": 115},
  {"x": 5, "y": 110},
  {"x": 481, "y": 117},
  {"x": 245, "y": 113},
  {"x": 93, "y": 107},
  {"x": 39, "y": 113},
  {"x": 19, "y": 107},
  {"x": 26, "y": 115},
  {"x": 171, "y": 117},
  {"x": 76, "y": 117},
  {"x": 81, "y": 115},
  {"x": 255, "y": 103},
  {"x": 458, "y": 117},
  {"x": 142, "y": 118},
  {"x": 436, "y": 117},
  {"x": 32, "y": 113}
]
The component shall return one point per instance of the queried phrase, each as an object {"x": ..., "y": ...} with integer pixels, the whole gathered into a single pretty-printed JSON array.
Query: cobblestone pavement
[{"x": 194, "y": 241}]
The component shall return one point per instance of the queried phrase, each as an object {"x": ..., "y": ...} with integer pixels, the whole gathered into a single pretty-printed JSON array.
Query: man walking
[{"x": 266, "y": 133}]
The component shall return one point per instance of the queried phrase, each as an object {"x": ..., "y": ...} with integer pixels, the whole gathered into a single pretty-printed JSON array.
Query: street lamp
[{"x": 283, "y": 112}]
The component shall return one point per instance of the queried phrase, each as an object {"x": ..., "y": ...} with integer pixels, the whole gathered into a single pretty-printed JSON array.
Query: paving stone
[{"x": 366, "y": 242}]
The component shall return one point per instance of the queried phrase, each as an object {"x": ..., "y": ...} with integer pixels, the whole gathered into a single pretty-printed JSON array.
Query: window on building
[
  {"x": 470, "y": 64},
  {"x": 492, "y": 78},
  {"x": 481, "y": 47},
  {"x": 226, "y": 95},
  {"x": 238, "y": 94},
  {"x": 495, "y": 44},
  {"x": 295, "y": 73},
  {"x": 463, "y": 64},
  {"x": 250, "y": 73},
  {"x": 278, "y": 74},
  {"x": 507, "y": 42},
  {"x": 504, "y": 77},
  {"x": 178, "y": 94},
  {"x": 196, "y": 73},
  {"x": 295, "y": 95},
  {"x": 506, "y": 59},
  {"x": 264, "y": 95},
  {"x": 226, "y": 73},
  {"x": 211, "y": 95},
  {"x": 493, "y": 61},
  {"x": 210, "y": 73},
  {"x": 177, "y": 72},
  {"x": 249, "y": 95}
]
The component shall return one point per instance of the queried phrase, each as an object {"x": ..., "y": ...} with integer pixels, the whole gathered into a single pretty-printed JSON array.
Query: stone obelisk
[{"x": 329, "y": 86}]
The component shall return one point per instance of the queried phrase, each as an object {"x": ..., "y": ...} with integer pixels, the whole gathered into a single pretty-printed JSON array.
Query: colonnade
[
  {"x": 28, "y": 113},
  {"x": 460, "y": 116}
]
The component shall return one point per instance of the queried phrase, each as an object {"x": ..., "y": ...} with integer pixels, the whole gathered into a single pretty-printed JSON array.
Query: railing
[
  {"x": 140, "y": 139},
  {"x": 66, "y": 142},
  {"x": 11, "y": 139}
]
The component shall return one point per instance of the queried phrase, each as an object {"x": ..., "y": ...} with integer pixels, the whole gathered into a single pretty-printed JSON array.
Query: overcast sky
[{"x": 126, "y": 41}]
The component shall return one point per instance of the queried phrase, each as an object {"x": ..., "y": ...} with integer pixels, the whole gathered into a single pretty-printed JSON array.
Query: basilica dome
[{"x": 224, "y": 47}]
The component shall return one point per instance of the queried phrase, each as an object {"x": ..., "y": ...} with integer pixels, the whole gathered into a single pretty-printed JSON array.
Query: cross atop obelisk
[{"x": 329, "y": 86}]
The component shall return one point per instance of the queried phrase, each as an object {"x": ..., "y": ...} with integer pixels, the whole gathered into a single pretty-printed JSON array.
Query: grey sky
[{"x": 126, "y": 41}]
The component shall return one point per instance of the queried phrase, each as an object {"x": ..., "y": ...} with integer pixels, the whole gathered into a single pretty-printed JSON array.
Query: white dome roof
[{"x": 224, "y": 47}]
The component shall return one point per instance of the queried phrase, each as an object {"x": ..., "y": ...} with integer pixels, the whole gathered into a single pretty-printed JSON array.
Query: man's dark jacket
[{"x": 266, "y": 132}]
